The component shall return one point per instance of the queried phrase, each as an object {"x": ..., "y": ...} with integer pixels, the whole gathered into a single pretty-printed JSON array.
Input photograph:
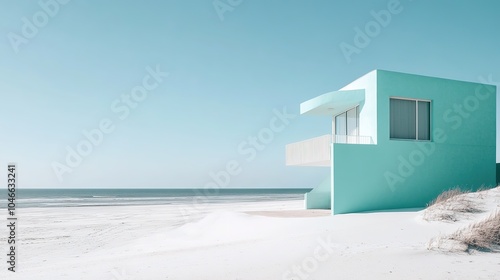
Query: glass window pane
[
  {"x": 424, "y": 120},
  {"x": 352, "y": 122},
  {"x": 340, "y": 128},
  {"x": 340, "y": 124},
  {"x": 403, "y": 119}
]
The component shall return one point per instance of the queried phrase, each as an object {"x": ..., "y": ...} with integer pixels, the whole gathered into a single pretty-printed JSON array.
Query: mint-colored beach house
[{"x": 398, "y": 140}]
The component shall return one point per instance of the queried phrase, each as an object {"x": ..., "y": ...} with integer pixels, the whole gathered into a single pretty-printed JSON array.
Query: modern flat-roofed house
[{"x": 398, "y": 140}]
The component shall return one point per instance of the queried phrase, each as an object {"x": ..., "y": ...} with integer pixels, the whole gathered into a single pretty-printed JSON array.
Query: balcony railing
[
  {"x": 316, "y": 151},
  {"x": 311, "y": 152},
  {"x": 353, "y": 139}
]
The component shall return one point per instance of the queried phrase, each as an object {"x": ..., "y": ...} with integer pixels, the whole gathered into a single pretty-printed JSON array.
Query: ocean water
[{"x": 114, "y": 197}]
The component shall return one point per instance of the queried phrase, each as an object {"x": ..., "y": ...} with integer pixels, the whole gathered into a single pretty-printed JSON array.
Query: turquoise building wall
[
  {"x": 319, "y": 197},
  {"x": 405, "y": 173}
]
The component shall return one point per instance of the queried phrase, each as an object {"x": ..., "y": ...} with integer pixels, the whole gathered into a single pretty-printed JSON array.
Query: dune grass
[
  {"x": 450, "y": 205},
  {"x": 479, "y": 236},
  {"x": 447, "y": 196},
  {"x": 483, "y": 236}
]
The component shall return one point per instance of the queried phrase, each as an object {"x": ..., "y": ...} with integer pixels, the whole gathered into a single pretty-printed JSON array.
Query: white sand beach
[{"x": 261, "y": 240}]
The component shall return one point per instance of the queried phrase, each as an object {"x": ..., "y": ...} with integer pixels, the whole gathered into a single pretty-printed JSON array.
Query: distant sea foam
[{"x": 115, "y": 197}]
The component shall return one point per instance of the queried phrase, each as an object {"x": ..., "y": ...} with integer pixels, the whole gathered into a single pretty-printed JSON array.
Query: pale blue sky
[{"x": 225, "y": 79}]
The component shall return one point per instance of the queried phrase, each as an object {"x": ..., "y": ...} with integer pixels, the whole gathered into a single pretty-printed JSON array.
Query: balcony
[{"x": 316, "y": 151}]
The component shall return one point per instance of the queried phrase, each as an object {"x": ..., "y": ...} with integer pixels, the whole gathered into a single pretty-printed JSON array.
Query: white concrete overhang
[{"x": 332, "y": 103}]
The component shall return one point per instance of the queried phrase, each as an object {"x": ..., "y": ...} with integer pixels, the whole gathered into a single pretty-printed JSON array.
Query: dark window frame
[{"x": 417, "y": 125}]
